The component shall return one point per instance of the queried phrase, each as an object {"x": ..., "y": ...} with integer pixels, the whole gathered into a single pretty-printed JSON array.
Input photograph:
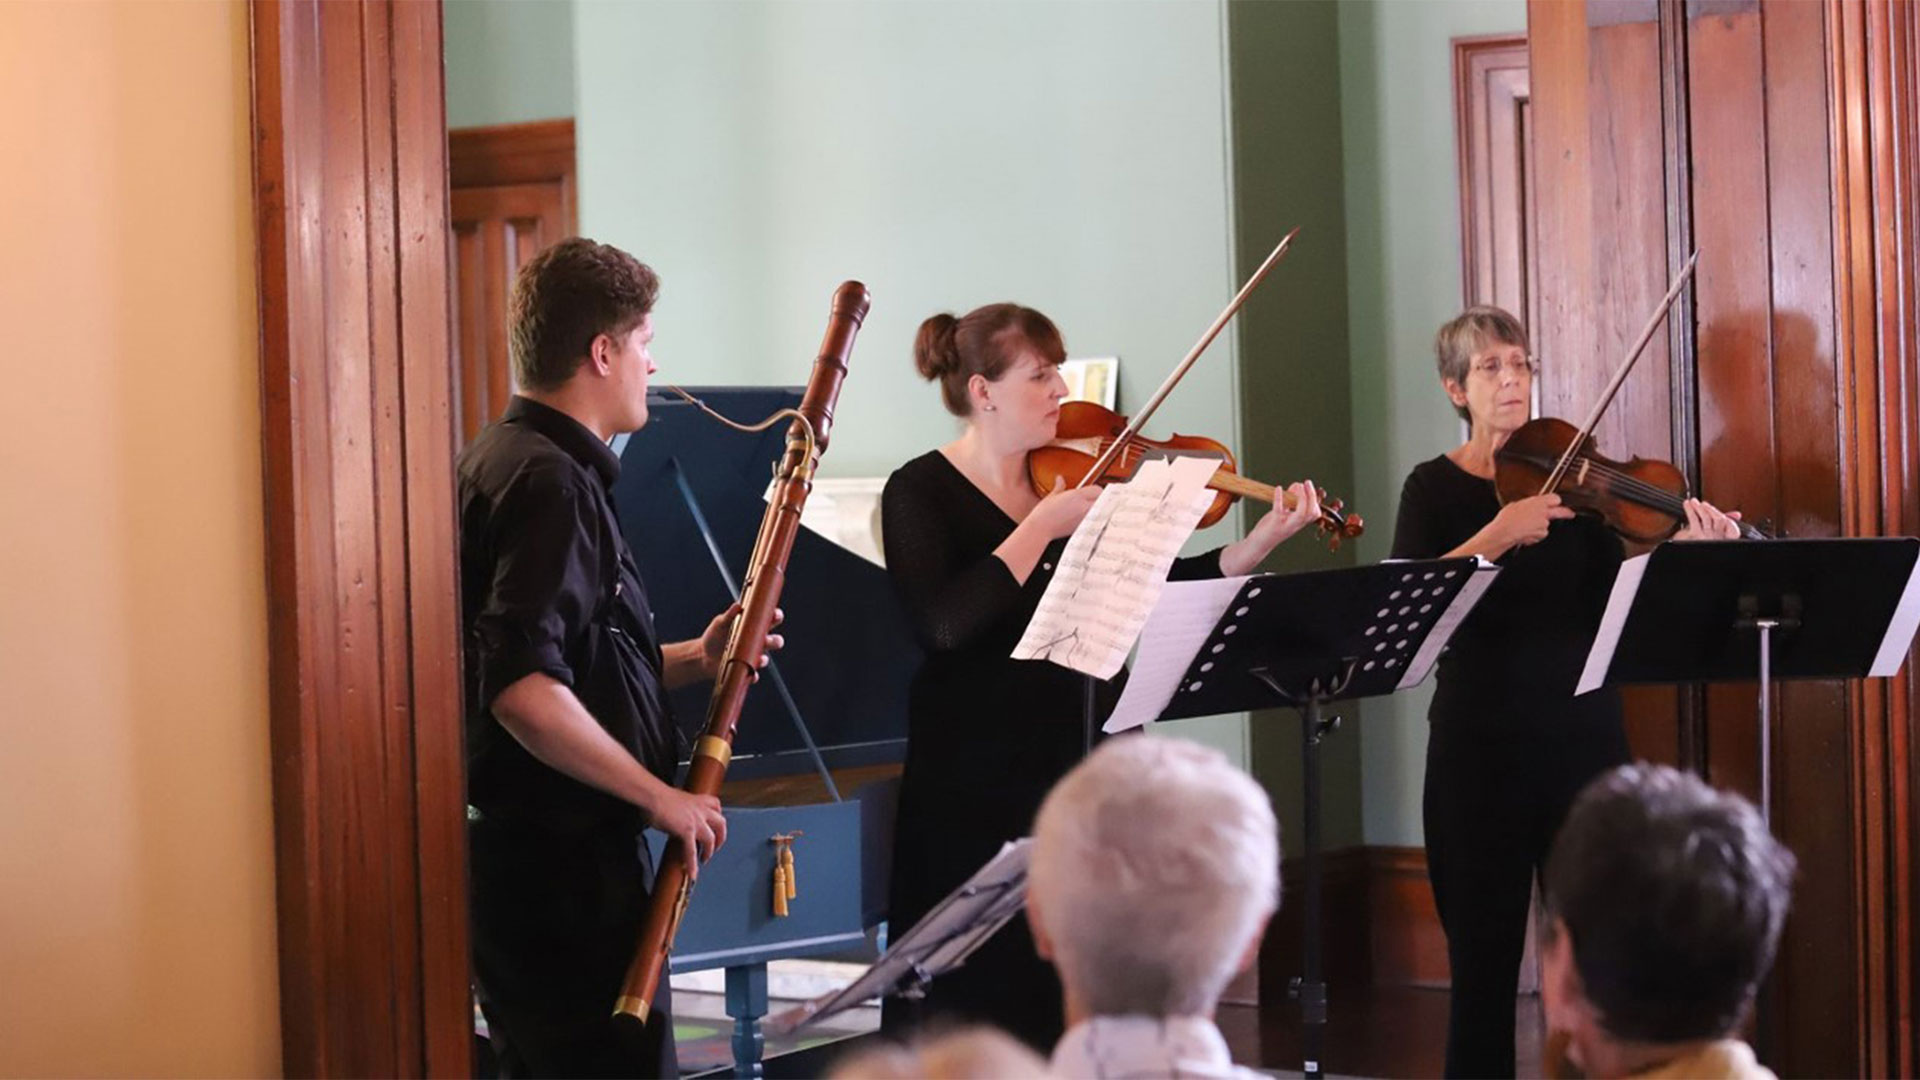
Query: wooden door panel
[
  {"x": 1600, "y": 257},
  {"x": 1627, "y": 274},
  {"x": 1779, "y": 138},
  {"x": 1799, "y": 204},
  {"x": 512, "y": 196}
]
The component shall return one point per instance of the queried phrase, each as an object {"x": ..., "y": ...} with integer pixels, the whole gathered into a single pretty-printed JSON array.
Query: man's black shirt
[{"x": 547, "y": 584}]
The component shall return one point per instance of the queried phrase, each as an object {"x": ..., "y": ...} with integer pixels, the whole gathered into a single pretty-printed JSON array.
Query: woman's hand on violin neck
[
  {"x": 1526, "y": 521},
  {"x": 1060, "y": 512},
  {"x": 1275, "y": 526},
  {"x": 1706, "y": 521}
]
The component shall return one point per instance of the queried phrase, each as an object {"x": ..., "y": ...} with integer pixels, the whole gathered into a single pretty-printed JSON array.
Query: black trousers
[
  {"x": 1495, "y": 798},
  {"x": 555, "y": 919}
]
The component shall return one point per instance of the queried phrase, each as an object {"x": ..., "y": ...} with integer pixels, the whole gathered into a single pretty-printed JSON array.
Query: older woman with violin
[
  {"x": 1510, "y": 745},
  {"x": 971, "y": 545}
]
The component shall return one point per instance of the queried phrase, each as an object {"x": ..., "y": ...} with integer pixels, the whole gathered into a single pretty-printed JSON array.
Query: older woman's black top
[
  {"x": 1518, "y": 657},
  {"x": 987, "y": 735}
]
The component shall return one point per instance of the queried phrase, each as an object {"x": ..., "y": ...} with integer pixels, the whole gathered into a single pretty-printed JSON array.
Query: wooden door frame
[
  {"x": 1874, "y": 110},
  {"x": 537, "y": 152},
  {"x": 350, "y": 198},
  {"x": 1476, "y": 98}
]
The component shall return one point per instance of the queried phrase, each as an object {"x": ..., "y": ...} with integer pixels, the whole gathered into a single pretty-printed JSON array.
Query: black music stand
[
  {"x": 1736, "y": 610},
  {"x": 1304, "y": 640},
  {"x": 938, "y": 943}
]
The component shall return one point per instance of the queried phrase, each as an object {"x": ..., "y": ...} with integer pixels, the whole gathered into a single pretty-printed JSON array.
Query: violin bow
[
  {"x": 1105, "y": 459},
  {"x": 1620, "y": 376}
]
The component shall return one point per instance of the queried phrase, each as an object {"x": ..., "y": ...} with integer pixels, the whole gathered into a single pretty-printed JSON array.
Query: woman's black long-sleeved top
[
  {"x": 1510, "y": 746},
  {"x": 1517, "y": 658},
  {"x": 987, "y": 735}
]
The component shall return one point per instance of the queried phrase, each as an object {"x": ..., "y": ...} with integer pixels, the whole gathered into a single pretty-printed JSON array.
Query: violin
[
  {"x": 1086, "y": 432},
  {"x": 1643, "y": 500},
  {"x": 1093, "y": 444}
]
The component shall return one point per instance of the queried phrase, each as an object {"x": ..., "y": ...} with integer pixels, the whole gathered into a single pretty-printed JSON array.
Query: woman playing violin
[
  {"x": 1509, "y": 745},
  {"x": 971, "y": 547}
]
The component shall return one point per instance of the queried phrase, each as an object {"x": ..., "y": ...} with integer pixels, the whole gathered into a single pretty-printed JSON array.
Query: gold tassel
[
  {"x": 780, "y": 889},
  {"x": 786, "y": 864}
]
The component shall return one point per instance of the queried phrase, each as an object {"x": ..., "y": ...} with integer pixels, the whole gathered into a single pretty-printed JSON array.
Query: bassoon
[{"x": 760, "y": 596}]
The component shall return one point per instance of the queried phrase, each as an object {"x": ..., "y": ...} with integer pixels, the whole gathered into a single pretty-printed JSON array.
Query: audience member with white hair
[
  {"x": 1666, "y": 899},
  {"x": 1156, "y": 865}
]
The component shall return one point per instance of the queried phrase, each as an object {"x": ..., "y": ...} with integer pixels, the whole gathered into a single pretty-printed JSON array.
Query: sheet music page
[
  {"x": 1186, "y": 614},
  {"x": 1600, "y": 657},
  {"x": 1456, "y": 613},
  {"x": 1115, "y": 565},
  {"x": 1899, "y": 637}
]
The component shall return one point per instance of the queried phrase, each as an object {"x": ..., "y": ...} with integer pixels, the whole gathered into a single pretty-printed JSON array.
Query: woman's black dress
[
  {"x": 1510, "y": 745},
  {"x": 987, "y": 735}
]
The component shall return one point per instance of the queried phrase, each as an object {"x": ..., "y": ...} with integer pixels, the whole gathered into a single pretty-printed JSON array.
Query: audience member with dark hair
[
  {"x": 1666, "y": 899},
  {"x": 1156, "y": 865}
]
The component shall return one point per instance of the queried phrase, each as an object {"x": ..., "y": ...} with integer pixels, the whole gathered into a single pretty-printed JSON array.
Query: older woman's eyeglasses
[{"x": 1493, "y": 367}]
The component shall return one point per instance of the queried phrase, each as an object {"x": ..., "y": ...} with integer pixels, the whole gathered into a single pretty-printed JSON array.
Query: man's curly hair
[{"x": 565, "y": 297}]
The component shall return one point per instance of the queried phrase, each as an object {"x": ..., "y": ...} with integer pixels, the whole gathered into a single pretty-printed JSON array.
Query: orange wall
[{"x": 136, "y": 856}]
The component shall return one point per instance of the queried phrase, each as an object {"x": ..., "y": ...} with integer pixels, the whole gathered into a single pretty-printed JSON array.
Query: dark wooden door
[
  {"x": 1499, "y": 256},
  {"x": 1774, "y": 137},
  {"x": 512, "y": 189}
]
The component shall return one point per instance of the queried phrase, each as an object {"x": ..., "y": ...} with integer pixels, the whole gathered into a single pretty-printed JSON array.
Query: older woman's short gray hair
[
  {"x": 1469, "y": 332},
  {"x": 1155, "y": 863}
]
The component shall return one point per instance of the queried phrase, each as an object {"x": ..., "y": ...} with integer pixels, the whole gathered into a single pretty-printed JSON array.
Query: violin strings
[
  {"x": 1131, "y": 454},
  {"x": 1629, "y": 485},
  {"x": 1653, "y": 494},
  {"x": 1626, "y": 484}
]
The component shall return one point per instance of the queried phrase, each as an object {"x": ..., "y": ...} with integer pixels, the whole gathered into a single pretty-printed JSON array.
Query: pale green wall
[
  {"x": 1068, "y": 155},
  {"x": 1295, "y": 413},
  {"x": 508, "y": 61},
  {"x": 1079, "y": 156},
  {"x": 1403, "y": 266}
]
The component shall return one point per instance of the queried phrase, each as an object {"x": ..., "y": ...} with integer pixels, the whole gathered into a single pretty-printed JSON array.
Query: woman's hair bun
[{"x": 935, "y": 352}]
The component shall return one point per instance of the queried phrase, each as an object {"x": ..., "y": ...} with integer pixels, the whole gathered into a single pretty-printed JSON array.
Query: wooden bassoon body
[{"x": 760, "y": 597}]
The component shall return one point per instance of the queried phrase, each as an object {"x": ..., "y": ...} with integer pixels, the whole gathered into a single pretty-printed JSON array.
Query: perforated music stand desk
[
  {"x": 1740, "y": 610},
  {"x": 1304, "y": 640}
]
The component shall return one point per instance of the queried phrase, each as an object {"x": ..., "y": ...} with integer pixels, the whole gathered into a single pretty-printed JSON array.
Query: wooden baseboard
[
  {"x": 1408, "y": 946},
  {"x": 1378, "y": 926}
]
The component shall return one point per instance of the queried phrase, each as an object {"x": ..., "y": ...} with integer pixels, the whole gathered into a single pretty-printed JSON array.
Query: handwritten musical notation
[{"x": 1115, "y": 565}]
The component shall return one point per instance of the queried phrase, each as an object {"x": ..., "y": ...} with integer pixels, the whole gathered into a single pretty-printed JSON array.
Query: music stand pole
[
  {"x": 1750, "y": 617},
  {"x": 1301, "y": 640},
  {"x": 1766, "y": 626},
  {"x": 1310, "y": 988}
]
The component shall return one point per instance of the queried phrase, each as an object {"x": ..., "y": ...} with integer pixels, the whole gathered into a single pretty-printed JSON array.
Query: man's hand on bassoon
[
  {"x": 713, "y": 642},
  {"x": 695, "y": 820}
]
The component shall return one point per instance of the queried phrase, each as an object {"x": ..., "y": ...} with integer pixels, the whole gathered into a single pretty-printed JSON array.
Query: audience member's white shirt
[{"x": 1140, "y": 1047}]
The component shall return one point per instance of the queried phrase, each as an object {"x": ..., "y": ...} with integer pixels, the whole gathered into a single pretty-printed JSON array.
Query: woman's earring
[{"x": 990, "y": 406}]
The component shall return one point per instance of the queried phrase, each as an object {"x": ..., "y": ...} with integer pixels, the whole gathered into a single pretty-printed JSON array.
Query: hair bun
[{"x": 935, "y": 352}]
